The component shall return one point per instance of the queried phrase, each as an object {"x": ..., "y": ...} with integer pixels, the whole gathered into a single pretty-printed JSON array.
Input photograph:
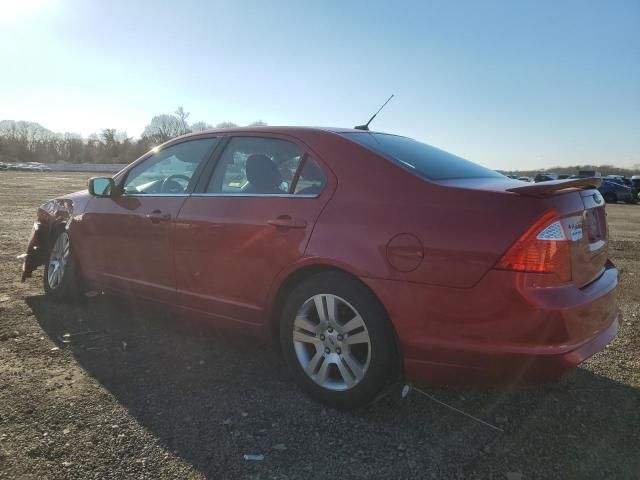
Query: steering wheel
[{"x": 170, "y": 185}]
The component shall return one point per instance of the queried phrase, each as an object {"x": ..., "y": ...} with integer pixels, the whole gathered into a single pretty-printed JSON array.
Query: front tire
[
  {"x": 60, "y": 277},
  {"x": 338, "y": 342}
]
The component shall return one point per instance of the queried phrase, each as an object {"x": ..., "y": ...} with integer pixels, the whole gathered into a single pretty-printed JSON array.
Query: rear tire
[
  {"x": 61, "y": 279},
  {"x": 610, "y": 197},
  {"x": 338, "y": 342}
]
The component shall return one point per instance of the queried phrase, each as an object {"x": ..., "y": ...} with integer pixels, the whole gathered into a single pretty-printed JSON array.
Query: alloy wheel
[
  {"x": 331, "y": 342},
  {"x": 58, "y": 260}
]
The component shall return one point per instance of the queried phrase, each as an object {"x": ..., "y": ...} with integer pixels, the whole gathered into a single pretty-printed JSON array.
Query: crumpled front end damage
[
  {"x": 53, "y": 214},
  {"x": 35, "y": 254}
]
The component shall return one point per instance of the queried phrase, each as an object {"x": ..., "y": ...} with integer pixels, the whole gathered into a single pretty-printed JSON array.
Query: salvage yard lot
[{"x": 149, "y": 397}]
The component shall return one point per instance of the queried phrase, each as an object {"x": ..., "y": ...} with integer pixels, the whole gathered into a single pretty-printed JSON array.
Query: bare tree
[
  {"x": 226, "y": 125},
  {"x": 162, "y": 128},
  {"x": 182, "y": 118},
  {"x": 258, "y": 123},
  {"x": 200, "y": 126}
]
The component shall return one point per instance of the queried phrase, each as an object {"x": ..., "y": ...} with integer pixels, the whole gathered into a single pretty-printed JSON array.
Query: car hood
[{"x": 67, "y": 205}]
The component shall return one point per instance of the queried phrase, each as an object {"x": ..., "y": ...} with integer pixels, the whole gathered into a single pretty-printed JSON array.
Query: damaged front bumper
[{"x": 35, "y": 252}]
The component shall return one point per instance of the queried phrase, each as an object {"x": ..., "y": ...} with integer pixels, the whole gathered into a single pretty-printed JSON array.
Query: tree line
[{"x": 23, "y": 141}]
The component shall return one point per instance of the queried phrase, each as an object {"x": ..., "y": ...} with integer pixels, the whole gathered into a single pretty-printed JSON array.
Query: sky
[{"x": 508, "y": 84}]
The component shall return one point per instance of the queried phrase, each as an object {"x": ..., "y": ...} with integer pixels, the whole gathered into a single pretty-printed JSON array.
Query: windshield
[{"x": 425, "y": 160}]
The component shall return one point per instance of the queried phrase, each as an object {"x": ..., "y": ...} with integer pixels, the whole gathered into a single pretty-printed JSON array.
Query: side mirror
[{"x": 101, "y": 186}]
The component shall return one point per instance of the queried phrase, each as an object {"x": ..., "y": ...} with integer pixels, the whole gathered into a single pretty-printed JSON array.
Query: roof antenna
[{"x": 366, "y": 125}]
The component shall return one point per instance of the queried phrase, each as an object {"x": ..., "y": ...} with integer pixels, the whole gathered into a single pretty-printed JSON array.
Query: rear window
[{"x": 425, "y": 160}]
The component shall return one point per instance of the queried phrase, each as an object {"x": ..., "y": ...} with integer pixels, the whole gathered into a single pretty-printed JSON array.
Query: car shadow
[{"x": 211, "y": 396}]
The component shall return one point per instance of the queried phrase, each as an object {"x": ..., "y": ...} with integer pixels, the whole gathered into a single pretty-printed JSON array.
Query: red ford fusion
[{"x": 370, "y": 257}]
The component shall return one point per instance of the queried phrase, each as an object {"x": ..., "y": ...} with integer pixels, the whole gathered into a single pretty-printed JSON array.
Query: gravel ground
[{"x": 149, "y": 397}]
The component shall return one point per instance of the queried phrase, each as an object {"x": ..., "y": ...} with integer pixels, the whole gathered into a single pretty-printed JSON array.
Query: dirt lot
[{"x": 155, "y": 398}]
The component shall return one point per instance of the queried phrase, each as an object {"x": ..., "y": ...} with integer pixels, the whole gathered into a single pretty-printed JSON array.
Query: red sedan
[{"x": 371, "y": 257}]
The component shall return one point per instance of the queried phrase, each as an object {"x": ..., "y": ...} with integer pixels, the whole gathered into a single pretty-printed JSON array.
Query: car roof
[{"x": 282, "y": 130}]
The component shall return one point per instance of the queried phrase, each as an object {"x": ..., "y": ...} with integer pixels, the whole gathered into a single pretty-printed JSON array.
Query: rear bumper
[
  {"x": 503, "y": 330},
  {"x": 509, "y": 364}
]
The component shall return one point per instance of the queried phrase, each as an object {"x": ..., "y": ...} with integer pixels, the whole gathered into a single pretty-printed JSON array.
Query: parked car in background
[
  {"x": 26, "y": 167},
  {"x": 545, "y": 177},
  {"x": 621, "y": 179},
  {"x": 456, "y": 274},
  {"x": 624, "y": 181},
  {"x": 635, "y": 180},
  {"x": 589, "y": 173},
  {"x": 525, "y": 179},
  {"x": 614, "y": 192}
]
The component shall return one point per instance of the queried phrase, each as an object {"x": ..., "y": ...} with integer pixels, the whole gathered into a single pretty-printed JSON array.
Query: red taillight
[{"x": 544, "y": 248}]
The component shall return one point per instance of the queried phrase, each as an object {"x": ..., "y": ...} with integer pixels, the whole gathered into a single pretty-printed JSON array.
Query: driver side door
[{"x": 128, "y": 237}]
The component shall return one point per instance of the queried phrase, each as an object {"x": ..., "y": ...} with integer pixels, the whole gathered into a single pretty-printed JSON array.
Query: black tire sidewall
[{"x": 384, "y": 367}]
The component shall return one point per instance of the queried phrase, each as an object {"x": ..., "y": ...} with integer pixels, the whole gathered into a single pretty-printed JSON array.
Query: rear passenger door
[{"x": 251, "y": 219}]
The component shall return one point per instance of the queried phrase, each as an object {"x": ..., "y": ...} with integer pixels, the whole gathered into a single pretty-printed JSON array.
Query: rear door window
[
  {"x": 427, "y": 161},
  {"x": 311, "y": 180},
  {"x": 256, "y": 166}
]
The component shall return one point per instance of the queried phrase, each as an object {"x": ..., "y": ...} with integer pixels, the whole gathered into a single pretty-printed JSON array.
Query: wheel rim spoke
[
  {"x": 313, "y": 363},
  {"x": 323, "y": 372},
  {"x": 352, "y": 324},
  {"x": 299, "y": 336},
  {"x": 326, "y": 306},
  {"x": 354, "y": 366},
  {"x": 52, "y": 270},
  {"x": 302, "y": 322},
  {"x": 360, "y": 337},
  {"x": 346, "y": 375},
  {"x": 322, "y": 314},
  {"x": 332, "y": 312}
]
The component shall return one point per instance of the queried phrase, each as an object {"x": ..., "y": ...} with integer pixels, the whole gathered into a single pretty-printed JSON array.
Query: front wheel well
[
  {"x": 50, "y": 237},
  {"x": 56, "y": 228}
]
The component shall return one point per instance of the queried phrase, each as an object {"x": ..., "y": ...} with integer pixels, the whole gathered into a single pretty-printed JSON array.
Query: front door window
[{"x": 170, "y": 171}]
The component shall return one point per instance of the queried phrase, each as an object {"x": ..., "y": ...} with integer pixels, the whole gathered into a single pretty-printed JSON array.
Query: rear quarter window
[{"x": 427, "y": 161}]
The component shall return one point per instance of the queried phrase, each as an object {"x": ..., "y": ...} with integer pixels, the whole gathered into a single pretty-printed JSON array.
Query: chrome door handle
[
  {"x": 285, "y": 221},
  {"x": 157, "y": 216}
]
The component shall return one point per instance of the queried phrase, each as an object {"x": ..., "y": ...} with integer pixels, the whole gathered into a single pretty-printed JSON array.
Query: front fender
[{"x": 56, "y": 213}]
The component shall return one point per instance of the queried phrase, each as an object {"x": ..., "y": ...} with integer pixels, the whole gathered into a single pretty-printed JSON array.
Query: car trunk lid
[
  {"x": 589, "y": 238},
  {"x": 580, "y": 209},
  {"x": 583, "y": 217}
]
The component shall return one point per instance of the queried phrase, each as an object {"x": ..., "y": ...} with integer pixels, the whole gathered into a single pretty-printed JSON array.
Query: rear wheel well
[
  {"x": 301, "y": 275},
  {"x": 289, "y": 284}
]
